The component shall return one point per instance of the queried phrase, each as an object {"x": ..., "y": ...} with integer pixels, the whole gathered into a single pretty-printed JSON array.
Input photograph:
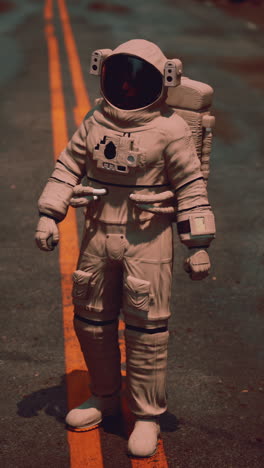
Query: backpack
[{"x": 192, "y": 100}]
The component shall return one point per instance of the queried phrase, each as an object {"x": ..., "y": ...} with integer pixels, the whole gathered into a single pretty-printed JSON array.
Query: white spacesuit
[{"x": 139, "y": 155}]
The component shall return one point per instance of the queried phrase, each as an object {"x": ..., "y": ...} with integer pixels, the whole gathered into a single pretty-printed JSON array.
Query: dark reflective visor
[{"x": 129, "y": 82}]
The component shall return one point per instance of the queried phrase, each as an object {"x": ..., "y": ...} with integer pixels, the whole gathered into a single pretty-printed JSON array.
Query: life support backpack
[{"x": 192, "y": 101}]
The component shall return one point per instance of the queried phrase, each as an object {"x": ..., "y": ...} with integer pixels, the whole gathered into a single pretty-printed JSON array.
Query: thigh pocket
[
  {"x": 81, "y": 286},
  {"x": 137, "y": 293}
]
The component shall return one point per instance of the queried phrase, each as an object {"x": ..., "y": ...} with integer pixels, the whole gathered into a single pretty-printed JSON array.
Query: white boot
[
  {"x": 90, "y": 413},
  {"x": 144, "y": 438}
]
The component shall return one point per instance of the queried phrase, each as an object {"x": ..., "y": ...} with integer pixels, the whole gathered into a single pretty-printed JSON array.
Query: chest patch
[{"x": 118, "y": 154}]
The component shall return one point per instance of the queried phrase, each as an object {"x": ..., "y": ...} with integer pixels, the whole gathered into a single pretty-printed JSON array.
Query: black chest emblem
[{"x": 110, "y": 150}]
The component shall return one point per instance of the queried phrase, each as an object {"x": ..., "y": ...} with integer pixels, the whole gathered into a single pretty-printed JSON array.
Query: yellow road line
[
  {"x": 48, "y": 10},
  {"x": 85, "y": 448},
  {"x": 82, "y": 100}
]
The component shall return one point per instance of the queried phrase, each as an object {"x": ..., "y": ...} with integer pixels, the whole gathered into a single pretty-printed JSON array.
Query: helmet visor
[{"x": 129, "y": 82}]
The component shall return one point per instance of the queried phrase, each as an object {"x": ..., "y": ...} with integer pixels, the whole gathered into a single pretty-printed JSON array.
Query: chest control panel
[{"x": 118, "y": 154}]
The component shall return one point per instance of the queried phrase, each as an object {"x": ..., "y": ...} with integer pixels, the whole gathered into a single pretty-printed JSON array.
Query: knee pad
[
  {"x": 149, "y": 327},
  {"x": 91, "y": 324}
]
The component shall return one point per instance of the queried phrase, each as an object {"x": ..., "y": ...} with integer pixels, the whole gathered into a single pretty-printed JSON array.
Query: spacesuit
[{"x": 141, "y": 167}]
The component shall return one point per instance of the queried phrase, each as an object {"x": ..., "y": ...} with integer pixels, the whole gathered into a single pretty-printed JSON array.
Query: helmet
[{"x": 134, "y": 75}]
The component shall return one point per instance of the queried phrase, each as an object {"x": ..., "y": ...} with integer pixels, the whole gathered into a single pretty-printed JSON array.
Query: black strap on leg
[
  {"x": 149, "y": 331},
  {"x": 96, "y": 323}
]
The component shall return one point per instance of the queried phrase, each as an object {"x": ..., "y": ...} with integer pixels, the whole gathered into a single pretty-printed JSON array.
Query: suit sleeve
[
  {"x": 195, "y": 220},
  {"x": 182, "y": 162},
  {"x": 68, "y": 172}
]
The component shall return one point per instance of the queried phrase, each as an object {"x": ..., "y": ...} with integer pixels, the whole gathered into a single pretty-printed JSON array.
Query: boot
[
  {"x": 146, "y": 386},
  {"x": 99, "y": 344},
  {"x": 91, "y": 413},
  {"x": 144, "y": 438}
]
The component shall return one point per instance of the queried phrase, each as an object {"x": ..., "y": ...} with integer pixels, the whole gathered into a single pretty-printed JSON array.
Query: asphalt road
[{"x": 215, "y": 374}]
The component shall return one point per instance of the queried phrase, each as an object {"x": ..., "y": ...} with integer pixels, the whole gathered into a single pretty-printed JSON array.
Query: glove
[
  {"x": 197, "y": 265},
  {"x": 47, "y": 234}
]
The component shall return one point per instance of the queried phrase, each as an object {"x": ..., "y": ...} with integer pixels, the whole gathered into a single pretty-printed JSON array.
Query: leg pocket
[
  {"x": 137, "y": 293},
  {"x": 81, "y": 286}
]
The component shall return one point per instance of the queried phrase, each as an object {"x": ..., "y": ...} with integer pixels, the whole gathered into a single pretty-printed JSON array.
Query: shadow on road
[{"x": 52, "y": 400}]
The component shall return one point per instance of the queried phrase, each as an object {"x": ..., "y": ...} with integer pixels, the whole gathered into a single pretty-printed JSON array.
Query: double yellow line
[{"x": 85, "y": 448}]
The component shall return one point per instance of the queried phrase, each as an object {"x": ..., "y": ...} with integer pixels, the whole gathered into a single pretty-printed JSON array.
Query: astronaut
[{"x": 141, "y": 166}]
